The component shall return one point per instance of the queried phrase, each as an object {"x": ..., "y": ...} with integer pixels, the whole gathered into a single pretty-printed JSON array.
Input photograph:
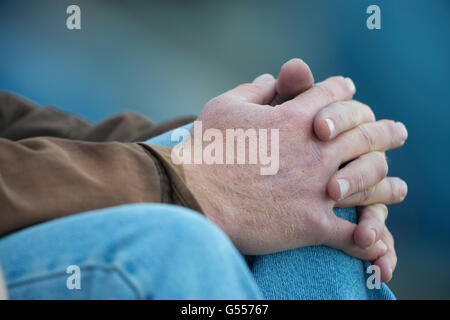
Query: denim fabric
[
  {"x": 139, "y": 251},
  {"x": 316, "y": 272},
  {"x": 158, "y": 251}
]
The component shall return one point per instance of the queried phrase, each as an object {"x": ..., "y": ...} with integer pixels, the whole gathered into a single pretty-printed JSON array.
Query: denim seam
[{"x": 134, "y": 288}]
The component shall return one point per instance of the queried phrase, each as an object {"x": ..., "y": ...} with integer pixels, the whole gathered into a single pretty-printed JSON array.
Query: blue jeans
[{"x": 158, "y": 251}]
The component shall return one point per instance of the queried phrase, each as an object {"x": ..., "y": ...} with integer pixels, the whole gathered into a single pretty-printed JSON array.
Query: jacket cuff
[{"x": 181, "y": 194}]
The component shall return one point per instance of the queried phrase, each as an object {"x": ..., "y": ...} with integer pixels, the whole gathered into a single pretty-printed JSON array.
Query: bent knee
[{"x": 174, "y": 226}]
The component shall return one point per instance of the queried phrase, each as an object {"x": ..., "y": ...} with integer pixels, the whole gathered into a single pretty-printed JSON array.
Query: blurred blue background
[{"x": 167, "y": 58}]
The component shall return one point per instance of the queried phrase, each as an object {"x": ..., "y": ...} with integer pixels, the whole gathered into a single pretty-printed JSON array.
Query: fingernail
[
  {"x": 350, "y": 84},
  {"x": 330, "y": 125},
  {"x": 343, "y": 187},
  {"x": 404, "y": 190},
  {"x": 403, "y": 130},
  {"x": 382, "y": 246}
]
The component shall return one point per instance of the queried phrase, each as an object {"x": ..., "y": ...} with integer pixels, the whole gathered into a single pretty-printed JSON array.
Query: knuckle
[
  {"x": 320, "y": 223},
  {"x": 215, "y": 102},
  {"x": 323, "y": 114},
  {"x": 396, "y": 133},
  {"x": 318, "y": 156},
  {"x": 251, "y": 87},
  {"x": 366, "y": 137},
  {"x": 355, "y": 117},
  {"x": 378, "y": 224},
  {"x": 376, "y": 219},
  {"x": 392, "y": 254},
  {"x": 330, "y": 86},
  {"x": 338, "y": 81},
  {"x": 255, "y": 87},
  {"x": 391, "y": 190},
  {"x": 380, "y": 164},
  {"x": 395, "y": 189},
  {"x": 369, "y": 112},
  {"x": 245, "y": 86},
  {"x": 293, "y": 116},
  {"x": 382, "y": 209},
  {"x": 212, "y": 107},
  {"x": 394, "y": 260},
  {"x": 346, "y": 113},
  {"x": 325, "y": 90},
  {"x": 366, "y": 194},
  {"x": 392, "y": 130},
  {"x": 387, "y": 237},
  {"x": 327, "y": 155},
  {"x": 379, "y": 215},
  {"x": 392, "y": 240},
  {"x": 360, "y": 183},
  {"x": 371, "y": 254}
]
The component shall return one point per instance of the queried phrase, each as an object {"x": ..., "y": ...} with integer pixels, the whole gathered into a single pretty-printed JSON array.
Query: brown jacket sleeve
[
  {"x": 45, "y": 178},
  {"x": 21, "y": 119}
]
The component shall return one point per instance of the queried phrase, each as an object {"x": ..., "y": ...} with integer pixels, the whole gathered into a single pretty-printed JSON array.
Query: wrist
[{"x": 201, "y": 188}]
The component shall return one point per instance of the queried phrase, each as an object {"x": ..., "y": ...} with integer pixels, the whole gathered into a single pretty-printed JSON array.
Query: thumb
[
  {"x": 260, "y": 91},
  {"x": 341, "y": 237},
  {"x": 295, "y": 78}
]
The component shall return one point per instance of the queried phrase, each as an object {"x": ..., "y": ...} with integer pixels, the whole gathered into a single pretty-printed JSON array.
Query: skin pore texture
[{"x": 331, "y": 153}]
